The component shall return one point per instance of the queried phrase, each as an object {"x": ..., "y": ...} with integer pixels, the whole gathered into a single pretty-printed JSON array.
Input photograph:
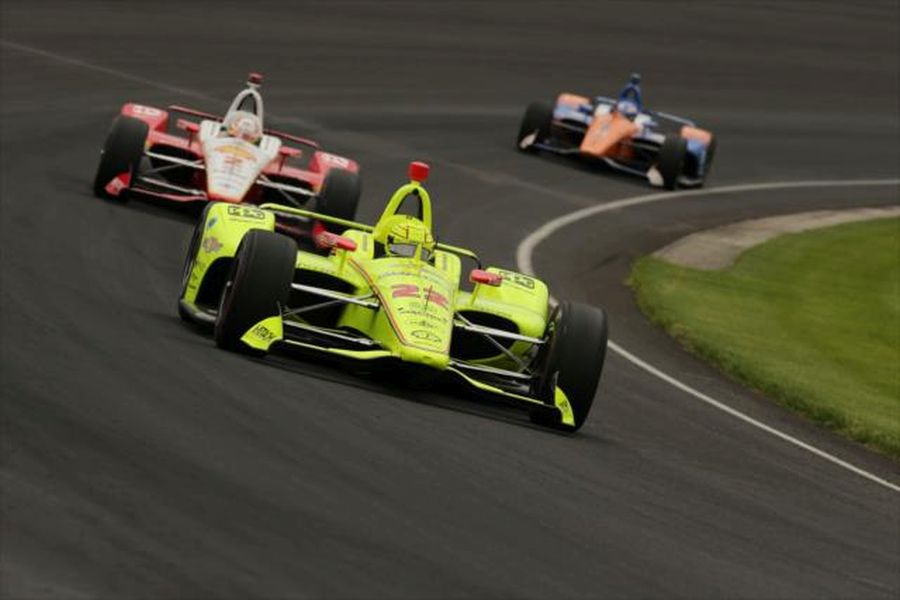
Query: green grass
[{"x": 811, "y": 320}]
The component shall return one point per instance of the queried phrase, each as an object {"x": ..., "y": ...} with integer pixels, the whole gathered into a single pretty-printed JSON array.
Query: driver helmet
[
  {"x": 629, "y": 103},
  {"x": 406, "y": 236},
  {"x": 628, "y": 108},
  {"x": 244, "y": 125}
]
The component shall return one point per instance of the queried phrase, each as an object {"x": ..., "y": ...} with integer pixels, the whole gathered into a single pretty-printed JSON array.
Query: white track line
[{"x": 524, "y": 258}]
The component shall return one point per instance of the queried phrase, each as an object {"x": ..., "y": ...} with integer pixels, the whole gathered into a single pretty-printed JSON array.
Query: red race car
[{"x": 185, "y": 155}]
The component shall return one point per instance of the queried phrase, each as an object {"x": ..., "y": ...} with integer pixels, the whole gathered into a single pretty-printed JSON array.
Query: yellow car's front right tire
[{"x": 572, "y": 359}]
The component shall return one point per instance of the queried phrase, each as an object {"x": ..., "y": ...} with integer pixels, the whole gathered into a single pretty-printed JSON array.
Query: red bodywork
[{"x": 180, "y": 139}]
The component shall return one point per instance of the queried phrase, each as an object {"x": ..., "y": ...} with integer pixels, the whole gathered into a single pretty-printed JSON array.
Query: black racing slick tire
[
  {"x": 571, "y": 358},
  {"x": 193, "y": 249},
  {"x": 538, "y": 119},
  {"x": 710, "y": 154},
  {"x": 670, "y": 161},
  {"x": 259, "y": 284},
  {"x": 121, "y": 153},
  {"x": 339, "y": 196}
]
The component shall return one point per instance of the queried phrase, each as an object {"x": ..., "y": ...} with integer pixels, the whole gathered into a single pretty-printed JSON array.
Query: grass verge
[{"x": 812, "y": 320}]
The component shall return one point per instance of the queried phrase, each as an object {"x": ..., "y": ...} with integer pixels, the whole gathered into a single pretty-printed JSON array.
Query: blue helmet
[{"x": 629, "y": 102}]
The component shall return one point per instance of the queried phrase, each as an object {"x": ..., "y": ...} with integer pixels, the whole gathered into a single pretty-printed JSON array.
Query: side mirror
[
  {"x": 188, "y": 126},
  {"x": 479, "y": 276},
  {"x": 326, "y": 239},
  {"x": 287, "y": 152}
]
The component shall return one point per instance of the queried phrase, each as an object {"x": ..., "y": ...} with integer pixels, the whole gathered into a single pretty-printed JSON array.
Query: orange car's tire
[
  {"x": 538, "y": 119},
  {"x": 670, "y": 161},
  {"x": 710, "y": 154}
]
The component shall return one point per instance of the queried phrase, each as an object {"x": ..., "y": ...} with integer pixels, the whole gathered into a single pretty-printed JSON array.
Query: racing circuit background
[{"x": 140, "y": 462}]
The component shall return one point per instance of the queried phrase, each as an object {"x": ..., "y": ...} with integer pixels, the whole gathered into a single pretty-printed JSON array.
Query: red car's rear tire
[
  {"x": 339, "y": 196},
  {"x": 121, "y": 153}
]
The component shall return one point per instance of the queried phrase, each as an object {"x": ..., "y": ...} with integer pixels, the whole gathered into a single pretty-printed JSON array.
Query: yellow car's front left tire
[
  {"x": 258, "y": 287},
  {"x": 193, "y": 247}
]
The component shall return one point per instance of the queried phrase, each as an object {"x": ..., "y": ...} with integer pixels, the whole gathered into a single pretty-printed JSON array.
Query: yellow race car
[{"x": 390, "y": 294}]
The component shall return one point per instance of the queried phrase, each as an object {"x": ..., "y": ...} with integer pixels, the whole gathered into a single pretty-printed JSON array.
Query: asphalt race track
[{"x": 139, "y": 461}]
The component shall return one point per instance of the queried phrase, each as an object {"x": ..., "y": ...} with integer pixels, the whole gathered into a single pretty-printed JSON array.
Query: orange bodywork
[
  {"x": 572, "y": 99},
  {"x": 692, "y": 133},
  {"x": 605, "y": 136}
]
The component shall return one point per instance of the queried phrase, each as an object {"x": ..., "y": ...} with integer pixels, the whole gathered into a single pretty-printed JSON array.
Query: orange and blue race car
[
  {"x": 669, "y": 151},
  {"x": 184, "y": 155}
]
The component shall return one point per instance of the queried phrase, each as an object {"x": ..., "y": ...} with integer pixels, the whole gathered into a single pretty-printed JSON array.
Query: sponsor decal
[
  {"x": 236, "y": 152},
  {"x": 517, "y": 279},
  {"x": 264, "y": 333},
  {"x": 427, "y": 336},
  {"x": 211, "y": 245},
  {"x": 245, "y": 212},
  {"x": 232, "y": 164},
  {"x": 426, "y": 324},
  {"x": 145, "y": 111},
  {"x": 409, "y": 290},
  {"x": 405, "y": 290},
  {"x": 432, "y": 297},
  {"x": 418, "y": 310},
  {"x": 564, "y": 408},
  {"x": 337, "y": 161},
  {"x": 118, "y": 183}
]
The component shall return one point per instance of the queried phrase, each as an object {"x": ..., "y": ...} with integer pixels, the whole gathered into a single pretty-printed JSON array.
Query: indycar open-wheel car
[
  {"x": 275, "y": 276},
  {"x": 667, "y": 150},
  {"x": 183, "y": 155}
]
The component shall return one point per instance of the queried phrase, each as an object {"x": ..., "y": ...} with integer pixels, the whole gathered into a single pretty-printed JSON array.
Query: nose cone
[
  {"x": 605, "y": 133},
  {"x": 428, "y": 358}
]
